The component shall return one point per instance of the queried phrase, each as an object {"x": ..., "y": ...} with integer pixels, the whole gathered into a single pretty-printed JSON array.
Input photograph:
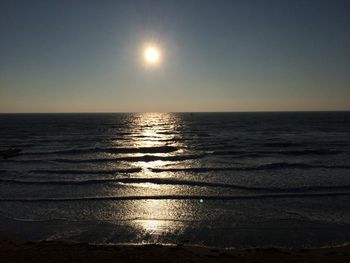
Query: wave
[
  {"x": 283, "y": 165},
  {"x": 24, "y": 161},
  {"x": 84, "y": 140},
  {"x": 311, "y": 152},
  {"x": 179, "y": 197},
  {"x": 143, "y": 158},
  {"x": 303, "y": 144},
  {"x": 163, "y": 181},
  {"x": 282, "y": 144},
  {"x": 156, "y": 149},
  {"x": 271, "y": 166},
  {"x": 230, "y": 152},
  {"x": 16, "y": 145},
  {"x": 284, "y": 152},
  {"x": 126, "y": 170},
  {"x": 168, "y": 132},
  {"x": 239, "y": 154}
]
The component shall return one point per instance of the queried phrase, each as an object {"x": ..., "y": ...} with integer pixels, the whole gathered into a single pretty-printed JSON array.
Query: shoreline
[{"x": 13, "y": 250}]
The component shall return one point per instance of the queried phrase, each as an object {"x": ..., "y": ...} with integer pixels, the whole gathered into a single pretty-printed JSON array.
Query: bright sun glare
[{"x": 152, "y": 55}]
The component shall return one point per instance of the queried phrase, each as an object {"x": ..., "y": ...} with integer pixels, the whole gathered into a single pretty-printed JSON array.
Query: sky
[{"x": 217, "y": 55}]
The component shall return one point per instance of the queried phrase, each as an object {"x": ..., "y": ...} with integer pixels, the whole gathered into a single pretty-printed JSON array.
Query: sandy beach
[{"x": 12, "y": 250}]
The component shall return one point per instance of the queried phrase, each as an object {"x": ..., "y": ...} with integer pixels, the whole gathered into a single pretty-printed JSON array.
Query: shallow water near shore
[{"x": 213, "y": 179}]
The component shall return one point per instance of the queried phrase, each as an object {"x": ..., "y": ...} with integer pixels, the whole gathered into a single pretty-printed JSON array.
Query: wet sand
[{"x": 23, "y": 251}]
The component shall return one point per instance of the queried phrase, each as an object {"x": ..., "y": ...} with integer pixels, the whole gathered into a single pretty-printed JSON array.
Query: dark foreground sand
[{"x": 20, "y": 251}]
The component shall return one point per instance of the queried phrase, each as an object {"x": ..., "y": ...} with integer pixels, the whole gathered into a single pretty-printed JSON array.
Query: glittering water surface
[{"x": 217, "y": 179}]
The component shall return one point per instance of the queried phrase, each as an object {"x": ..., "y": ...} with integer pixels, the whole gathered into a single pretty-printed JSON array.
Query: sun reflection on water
[
  {"x": 159, "y": 218},
  {"x": 155, "y": 211},
  {"x": 154, "y": 130}
]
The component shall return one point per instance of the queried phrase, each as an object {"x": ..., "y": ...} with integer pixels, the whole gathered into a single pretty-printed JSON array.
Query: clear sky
[{"x": 217, "y": 55}]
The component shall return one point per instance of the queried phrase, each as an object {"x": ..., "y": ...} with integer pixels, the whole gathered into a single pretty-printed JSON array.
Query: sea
[{"x": 268, "y": 179}]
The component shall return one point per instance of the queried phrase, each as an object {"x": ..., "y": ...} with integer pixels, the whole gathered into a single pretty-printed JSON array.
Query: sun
[{"x": 152, "y": 55}]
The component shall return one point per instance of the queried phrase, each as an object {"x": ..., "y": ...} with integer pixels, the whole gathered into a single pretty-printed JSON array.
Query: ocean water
[{"x": 213, "y": 179}]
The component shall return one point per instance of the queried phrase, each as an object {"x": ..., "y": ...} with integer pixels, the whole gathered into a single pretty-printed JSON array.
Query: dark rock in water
[{"x": 10, "y": 153}]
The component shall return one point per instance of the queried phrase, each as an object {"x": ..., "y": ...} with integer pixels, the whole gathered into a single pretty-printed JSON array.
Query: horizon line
[{"x": 133, "y": 112}]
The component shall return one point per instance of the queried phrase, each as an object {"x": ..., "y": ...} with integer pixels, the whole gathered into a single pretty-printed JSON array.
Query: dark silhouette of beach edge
[{"x": 13, "y": 250}]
